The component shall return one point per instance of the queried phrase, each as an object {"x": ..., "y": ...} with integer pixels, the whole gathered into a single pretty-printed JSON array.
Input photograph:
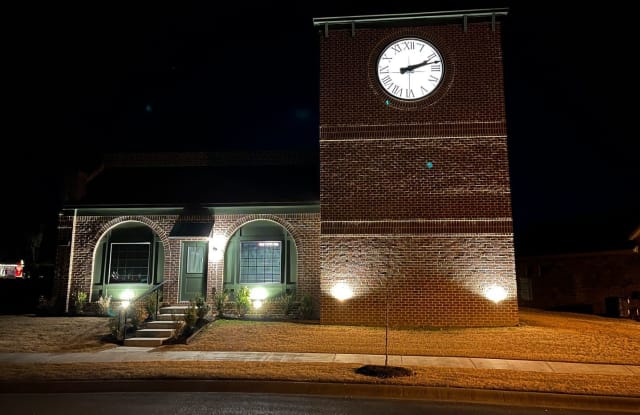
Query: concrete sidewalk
[{"x": 144, "y": 354}]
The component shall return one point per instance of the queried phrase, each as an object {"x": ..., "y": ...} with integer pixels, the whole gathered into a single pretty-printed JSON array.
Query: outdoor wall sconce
[{"x": 216, "y": 245}]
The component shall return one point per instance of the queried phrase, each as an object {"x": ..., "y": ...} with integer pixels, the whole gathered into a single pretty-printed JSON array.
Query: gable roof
[{"x": 160, "y": 179}]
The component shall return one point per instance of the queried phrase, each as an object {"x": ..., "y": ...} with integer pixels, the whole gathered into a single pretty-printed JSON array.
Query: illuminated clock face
[{"x": 410, "y": 69}]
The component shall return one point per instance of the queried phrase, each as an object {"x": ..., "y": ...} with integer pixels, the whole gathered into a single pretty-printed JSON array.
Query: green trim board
[{"x": 213, "y": 210}]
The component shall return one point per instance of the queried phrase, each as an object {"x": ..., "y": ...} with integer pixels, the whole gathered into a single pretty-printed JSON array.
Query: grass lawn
[
  {"x": 541, "y": 335},
  {"x": 52, "y": 334}
]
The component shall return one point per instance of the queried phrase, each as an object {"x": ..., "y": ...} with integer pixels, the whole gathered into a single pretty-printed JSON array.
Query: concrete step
[
  {"x": 175, "y": 309},
  {"x": 145, "y": 341},
  {"x": 169, "y": 317},
  {"x": 155, "y": 333},
  {"x": 165, "y": 324}
]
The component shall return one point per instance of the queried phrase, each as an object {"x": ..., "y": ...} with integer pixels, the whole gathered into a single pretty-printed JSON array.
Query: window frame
[
  {"x": 241, "y": 275},
  {"x": 110, "y": 270}
]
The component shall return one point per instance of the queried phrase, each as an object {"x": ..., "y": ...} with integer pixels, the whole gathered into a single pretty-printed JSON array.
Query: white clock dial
[{"x": 410, "y": 69}]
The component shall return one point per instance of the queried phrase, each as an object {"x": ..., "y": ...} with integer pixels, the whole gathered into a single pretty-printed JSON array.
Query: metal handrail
[{"x": 123, "y": 322}]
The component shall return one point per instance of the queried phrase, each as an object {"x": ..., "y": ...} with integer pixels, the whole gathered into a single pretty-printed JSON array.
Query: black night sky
[{"x": 108, "y": 77}]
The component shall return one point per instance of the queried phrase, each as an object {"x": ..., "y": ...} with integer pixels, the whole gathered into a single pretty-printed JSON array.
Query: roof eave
[{"x": 440, "y": 15}]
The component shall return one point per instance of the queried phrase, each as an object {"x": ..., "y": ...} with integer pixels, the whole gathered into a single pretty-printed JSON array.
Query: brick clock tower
[{"x": 414, "y": 174}]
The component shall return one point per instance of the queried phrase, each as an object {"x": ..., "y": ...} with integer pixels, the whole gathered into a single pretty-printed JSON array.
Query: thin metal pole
[
  {"x": 124, "y": 336},
  {"x": 386, "y": 333}
]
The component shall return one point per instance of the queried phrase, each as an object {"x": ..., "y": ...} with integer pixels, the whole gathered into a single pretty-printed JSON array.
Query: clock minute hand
[{"x": 417, "y": 65}]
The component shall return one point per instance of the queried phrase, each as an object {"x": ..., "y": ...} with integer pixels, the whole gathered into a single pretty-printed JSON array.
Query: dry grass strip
[
  {"x": 52, "y": 334},
  {"x": 327, "y": 372},
  {"x": 540, "y": 336}
]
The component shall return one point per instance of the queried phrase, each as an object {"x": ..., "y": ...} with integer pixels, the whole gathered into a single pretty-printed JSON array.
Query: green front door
[{"x": 193, "y": 279}]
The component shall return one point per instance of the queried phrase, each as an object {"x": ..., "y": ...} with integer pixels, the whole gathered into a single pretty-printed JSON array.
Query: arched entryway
[
  {"x": 129, "y": 256},
  {"x": 261, "y": 253}
]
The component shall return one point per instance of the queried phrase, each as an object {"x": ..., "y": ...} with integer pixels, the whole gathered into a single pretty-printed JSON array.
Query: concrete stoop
[{"x": 155, "y": 333}]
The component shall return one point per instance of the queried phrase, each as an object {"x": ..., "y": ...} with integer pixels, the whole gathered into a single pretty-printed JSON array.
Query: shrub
[
  {"x": 46, "y": 307},
  {"x": 79, "y": 300},
  {"x": 202, "y": 308},
  {"x": 104, "y": 305},
  {"x": 220, "y": 300},
  {"x": 151, "y": 306},
  {"x": 179, "y": 326},
  {"x": 191, "y": 315},
  {"x": 115, "y": 327},
  {"x": 242, "y": 300},
  {"x": 136, "y": 315},
  {"x": 306, "y": 307},
  {"x": 286, "y": 303}
]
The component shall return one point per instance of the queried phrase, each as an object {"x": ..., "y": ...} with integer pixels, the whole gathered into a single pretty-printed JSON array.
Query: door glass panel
[{"x": 195, "y": 259}]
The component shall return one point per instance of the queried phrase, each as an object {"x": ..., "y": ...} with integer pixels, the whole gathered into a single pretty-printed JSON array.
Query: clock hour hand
[{"x": 417, "y": 65}]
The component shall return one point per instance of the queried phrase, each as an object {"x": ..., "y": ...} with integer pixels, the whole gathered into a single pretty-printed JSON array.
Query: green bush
[
  {"x": 191, "y": 315},
  {"x": 242, "y": 301},
  {"x": 306, "y": 307},
  {"x": 151, "y": 306},
  {"x": 286, "y": 303},
  {"x": 104, "y": 305},
  {"x": 135, "y": 316},
  {"x": 220, "y": 300},
  {"x": 79, "y": 300},
  {"x": 202, "y": 307}
]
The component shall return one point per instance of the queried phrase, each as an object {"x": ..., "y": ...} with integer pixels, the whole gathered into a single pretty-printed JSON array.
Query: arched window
[
  {"x": 128, "y": 256},
  {"x": 261, "y": 253}
]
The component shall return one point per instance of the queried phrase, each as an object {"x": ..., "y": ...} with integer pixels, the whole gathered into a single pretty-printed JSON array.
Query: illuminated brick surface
[
  {"x": 304, "y": 227},
  {"x": 444, "y": 233}
]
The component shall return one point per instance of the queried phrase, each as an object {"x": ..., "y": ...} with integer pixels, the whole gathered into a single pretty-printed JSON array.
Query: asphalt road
[{"x": 197, "y": 403}]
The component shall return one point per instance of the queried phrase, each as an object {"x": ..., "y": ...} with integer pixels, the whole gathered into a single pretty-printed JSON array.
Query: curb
[{"x": 436, "y": 394}]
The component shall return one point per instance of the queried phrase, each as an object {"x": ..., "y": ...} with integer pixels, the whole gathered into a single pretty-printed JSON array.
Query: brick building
[
  {"x": 587, "y": 282},
  {"x": 413, "y": 204}
]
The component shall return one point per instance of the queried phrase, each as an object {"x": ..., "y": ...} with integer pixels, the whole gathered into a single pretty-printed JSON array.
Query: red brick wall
[
  {"x": 472, "y": 92},
  {"x": 580, "y": 282},
  {"x": 304, "y": 227},
  {"x": 448, "y": 228}
]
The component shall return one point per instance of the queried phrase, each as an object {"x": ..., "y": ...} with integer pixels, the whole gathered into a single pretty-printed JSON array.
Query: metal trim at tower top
[{"x": 381, "y": 18}]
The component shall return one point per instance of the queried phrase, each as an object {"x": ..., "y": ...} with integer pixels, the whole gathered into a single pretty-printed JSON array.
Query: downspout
[{"x": 73, "y": 243}]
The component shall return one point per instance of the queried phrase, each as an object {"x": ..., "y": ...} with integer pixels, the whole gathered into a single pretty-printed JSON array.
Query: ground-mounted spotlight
[
  {"x": 341, "y": 291},
  {"x": 257, "y": 295},
  {"x": 495, "y": 293},
  {"x": 126, "y": 297}
]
